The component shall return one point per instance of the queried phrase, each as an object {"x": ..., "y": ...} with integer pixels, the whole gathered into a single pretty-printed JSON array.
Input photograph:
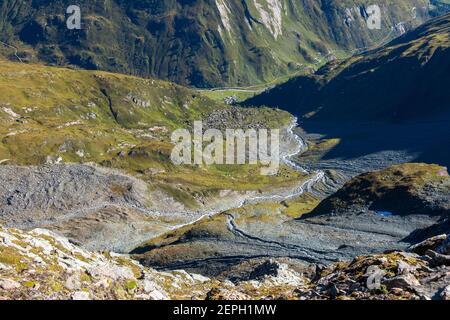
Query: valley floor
[{"x": 261, "y": 232}]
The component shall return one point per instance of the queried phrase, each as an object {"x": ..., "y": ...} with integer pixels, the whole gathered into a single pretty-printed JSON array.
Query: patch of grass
[
  {"x": 29, "y": 284},
  {"x": 323, "y": 145},
  {"x": 131, "y": 285},
  {"x": 220, "y": 95},
  {"x": 300, "y": 206},
  {"x": 12, "y": 257}
]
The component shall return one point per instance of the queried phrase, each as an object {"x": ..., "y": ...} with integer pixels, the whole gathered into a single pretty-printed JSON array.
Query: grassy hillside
[
  {"x": 201, "y": 43},
  {"x": 57, "y": 115}
]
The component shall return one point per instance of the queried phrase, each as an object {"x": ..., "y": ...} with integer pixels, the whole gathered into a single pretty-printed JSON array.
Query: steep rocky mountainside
[
  {"x": 405, "y": 80},
  {"x": 88, "y": 153},
  {"x": 203, "y": 43},
  {"x": 40, "y": 265}
]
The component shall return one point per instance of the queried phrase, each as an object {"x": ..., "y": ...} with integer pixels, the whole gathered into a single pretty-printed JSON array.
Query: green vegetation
[
  {"x": 221, "y": 94},
  {"x": 408, "y": 175},
  {"x": 11, "y": 257},
  {"x": 178, "y": 242},
  {"x": 300, "y": 206}
]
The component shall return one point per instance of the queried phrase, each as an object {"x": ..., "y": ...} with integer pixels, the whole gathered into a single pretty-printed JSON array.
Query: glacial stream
[{"x": 317, "y": 176}]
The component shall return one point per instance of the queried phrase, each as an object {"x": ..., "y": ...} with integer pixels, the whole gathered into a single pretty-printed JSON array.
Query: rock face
[
  {"x": 444, "y": 248},
  {"x": 428, "y": 244},
  {"x": 352, "y": 281},
  {"x": 201, "y": 43}
]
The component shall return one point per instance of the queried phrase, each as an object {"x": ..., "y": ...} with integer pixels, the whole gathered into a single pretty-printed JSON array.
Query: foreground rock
[
  {"x": 389, "y": 209},
  {"x": 41, "y": 265},
  {"x": 391, "y": 276}
]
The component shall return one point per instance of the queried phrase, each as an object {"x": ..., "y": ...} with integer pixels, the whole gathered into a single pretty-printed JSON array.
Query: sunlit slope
[{"x": 53, "y": 115}]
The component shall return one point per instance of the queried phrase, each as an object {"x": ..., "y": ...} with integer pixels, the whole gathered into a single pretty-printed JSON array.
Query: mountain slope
[
  {"x": 393, "y": 83},
  {"x": 93, "y": 149},
  {"x": 392, "y": 98},
  {"x": 202, "y": 43},
  {"x": 402, "y": 190}
]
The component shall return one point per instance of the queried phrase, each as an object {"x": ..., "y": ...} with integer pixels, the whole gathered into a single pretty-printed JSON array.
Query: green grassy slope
[
  {"x": 57, "y": 115},
  {"x": 201, "y": 43}
]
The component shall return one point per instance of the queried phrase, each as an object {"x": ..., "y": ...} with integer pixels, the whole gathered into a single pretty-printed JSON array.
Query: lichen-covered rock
[
  {"x": 80, "y": 295},
  {"x": 390, "y": 276},
  {"x": 43, "y": 265},
  {"x": 226, "y": 294},
  {"x": 407, "y": 281},
  {"x": 445, "y": 294},
  {"x": 7, "y": 284}
]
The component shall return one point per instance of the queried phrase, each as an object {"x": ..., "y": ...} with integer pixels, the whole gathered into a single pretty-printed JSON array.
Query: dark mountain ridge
[
  {"x": 202, "y": 43},
  {"x": 392, "y": 98}
]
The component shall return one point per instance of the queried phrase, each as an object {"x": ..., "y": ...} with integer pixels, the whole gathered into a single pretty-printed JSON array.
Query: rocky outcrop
[
  {"x": 397, "y": 275},
  {"x": 390, "y": 276},
  {"x": 428, "y": 244},
  {"x": 399, "y": 190},
  {"x": 42, "y": 265}
]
